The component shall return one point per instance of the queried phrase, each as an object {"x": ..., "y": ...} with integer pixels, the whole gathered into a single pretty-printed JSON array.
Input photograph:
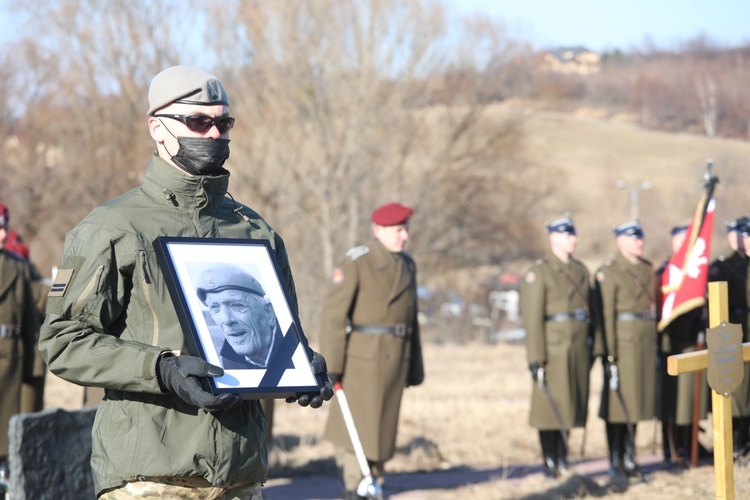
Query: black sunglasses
[{"x": 203, "y": 123}]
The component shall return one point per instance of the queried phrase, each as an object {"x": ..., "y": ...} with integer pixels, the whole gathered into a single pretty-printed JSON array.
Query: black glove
[
  {"x": 411, "y": 381},
  {"x": 180, "y": 374},
  {"x": 315, "y": 399}
]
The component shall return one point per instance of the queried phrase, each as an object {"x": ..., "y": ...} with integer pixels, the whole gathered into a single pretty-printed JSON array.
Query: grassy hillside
[{"x": 594, "y": 154}]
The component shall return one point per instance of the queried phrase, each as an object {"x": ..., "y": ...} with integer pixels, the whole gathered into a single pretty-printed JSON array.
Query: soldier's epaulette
[
  {"x": 646, "y": 261},
  {"x": 357, "y": 252}
]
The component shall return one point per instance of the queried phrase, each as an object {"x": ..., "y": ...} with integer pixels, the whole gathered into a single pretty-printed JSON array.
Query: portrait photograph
[{"x": 235, "y": 312}]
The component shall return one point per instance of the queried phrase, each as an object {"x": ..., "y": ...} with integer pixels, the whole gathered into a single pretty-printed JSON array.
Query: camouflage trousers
[{"x": 171, "y": 489}]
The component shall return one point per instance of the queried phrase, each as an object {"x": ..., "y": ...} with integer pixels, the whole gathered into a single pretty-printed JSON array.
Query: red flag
[{"x": 683, "y": 284}]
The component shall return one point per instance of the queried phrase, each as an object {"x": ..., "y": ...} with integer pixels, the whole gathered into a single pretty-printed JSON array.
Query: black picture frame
[{"x": 188, "y": 264}]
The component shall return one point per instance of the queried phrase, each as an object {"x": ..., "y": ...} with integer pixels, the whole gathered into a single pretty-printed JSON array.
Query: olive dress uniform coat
[
  {"x": 623, "y": 287},
  {"x": 734, "y": 269},
  {"x": 110, "y": 315},
  {"x": 563, "y": 348},
  {"x": 371, "y": 287},
  {"x": 674, "y": 403},
  {"x": 19, "y": 319}
]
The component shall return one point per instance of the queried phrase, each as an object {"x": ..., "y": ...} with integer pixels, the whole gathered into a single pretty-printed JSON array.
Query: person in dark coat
[
  {"x": 20, "y": 360},
  {"x": 676, "y": 395},
  {"x": 732, "y": 267},
  {"x": 556, "y": 311},
  {"x": 625, "y": 288},
  {"x": 370, "y": 339}
]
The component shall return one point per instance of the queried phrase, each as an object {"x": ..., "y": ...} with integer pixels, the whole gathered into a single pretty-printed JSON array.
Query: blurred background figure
[
  {"x": 556, "y": 311},
  {"x": 625, "y": 288},
  {"x": 732, "y": 267},
  {"x": 20, "y": 362},
  {"x": 676, "y": 395}
]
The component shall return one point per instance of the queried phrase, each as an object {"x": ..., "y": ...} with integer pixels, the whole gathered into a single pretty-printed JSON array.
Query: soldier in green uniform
[
  {"x": 556, "y": 311},
  {"x": 370, "y": 338},
  {"x": 625, "y": 289},
  {"x": 111, "y": 321},
  {"x": 20, "y": 362},
  {"x": 676, "y": 395},
  {"x": 732, "y": 268}
]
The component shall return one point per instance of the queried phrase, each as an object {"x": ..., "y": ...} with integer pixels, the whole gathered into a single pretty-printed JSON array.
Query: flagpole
[{"x": 710, "y": 183}]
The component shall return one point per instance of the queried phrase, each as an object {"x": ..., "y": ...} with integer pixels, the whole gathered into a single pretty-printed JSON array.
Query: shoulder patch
[
  {"x": 530, "y": 277},
  {"x": 600, "y": 276},
  {"x": 60, "y": 284},
  {"x": 337, "y": 276},
  {"x": 357, "y": 252}
]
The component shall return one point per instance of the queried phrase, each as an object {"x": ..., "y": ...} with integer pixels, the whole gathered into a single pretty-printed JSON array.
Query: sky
[{"x": 602, "y": 25}]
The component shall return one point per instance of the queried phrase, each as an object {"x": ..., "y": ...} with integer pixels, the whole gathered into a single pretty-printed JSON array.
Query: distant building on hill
[{"x": 571, "y": 60}]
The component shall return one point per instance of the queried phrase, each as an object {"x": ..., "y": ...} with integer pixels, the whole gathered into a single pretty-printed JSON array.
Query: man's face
[
  {"x": 246, "y": 319},
  {"x": 563, "y": 242},
  {"x": 630, "y": 247},
  {"x": 393, "y": 238},
  {"x": 166, "y": 130},
  {"x": 732, "y": 239},
  {"x": 3, "y": 236},
  {"x": 677, "y": 240},
  {"x": 746, "y": 243}
]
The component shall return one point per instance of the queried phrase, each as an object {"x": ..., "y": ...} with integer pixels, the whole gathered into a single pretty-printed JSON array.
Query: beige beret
[{"x": 185, "y": 84}]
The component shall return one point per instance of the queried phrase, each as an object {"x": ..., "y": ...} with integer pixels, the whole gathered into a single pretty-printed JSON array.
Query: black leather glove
[
  {"x": 179, "y": 375},
  {"x": 411, "y": 381},
  {"x": 315, "y": 399}
]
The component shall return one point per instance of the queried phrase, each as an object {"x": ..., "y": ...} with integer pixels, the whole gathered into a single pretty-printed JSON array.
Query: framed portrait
[{"x": 235, "y": 311}]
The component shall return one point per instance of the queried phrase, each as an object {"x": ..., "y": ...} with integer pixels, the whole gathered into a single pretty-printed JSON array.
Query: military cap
[
  {"x": 391, "y": 214},
  {"x": 185, "y": 84},
  {"x": 678, "y": 229},
  {"x": 632, "y": 228},
  {"x": 563, "y": 225},
  {"x": 744, "y": 227},
  {"x": 736, "y": 224},
  {"x": 15, "y": 244},
  {"x": 4, "y": 216},
  {"x": 220, "y": 277}
]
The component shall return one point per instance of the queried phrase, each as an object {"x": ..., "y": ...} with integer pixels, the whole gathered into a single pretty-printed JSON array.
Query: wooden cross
[{"x": 721, "y": 403}]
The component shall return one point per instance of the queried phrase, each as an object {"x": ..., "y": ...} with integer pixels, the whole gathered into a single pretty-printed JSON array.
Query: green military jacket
[
  {"x": 19, "y": 324},
  {"x": 110, "y": 315},
  {"x": 376, "y": 288},
  {"x": 551, "y": 290},
  {"x": 624, "y": 288},
  {"x": 733, "y": 268}
]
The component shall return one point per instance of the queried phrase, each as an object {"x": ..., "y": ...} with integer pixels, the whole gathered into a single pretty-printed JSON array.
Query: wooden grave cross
[{"x": 721, "y": 401}]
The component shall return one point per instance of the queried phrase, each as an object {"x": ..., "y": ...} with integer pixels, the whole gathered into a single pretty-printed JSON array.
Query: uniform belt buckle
[{"x": 399, "y": 330}]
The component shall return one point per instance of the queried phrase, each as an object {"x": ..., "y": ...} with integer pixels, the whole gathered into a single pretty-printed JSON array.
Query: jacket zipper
[{"x": 146, "y": 284}]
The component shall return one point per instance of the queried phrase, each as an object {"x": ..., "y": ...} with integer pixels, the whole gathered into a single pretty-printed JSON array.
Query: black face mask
[{"x": 201, "y": 155}]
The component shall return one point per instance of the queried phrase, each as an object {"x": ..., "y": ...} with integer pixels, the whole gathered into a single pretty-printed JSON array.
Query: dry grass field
[{"x": 471, "y": 415}]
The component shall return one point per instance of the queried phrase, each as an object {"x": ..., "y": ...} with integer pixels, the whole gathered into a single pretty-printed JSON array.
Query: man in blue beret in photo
[
  {"x": 240, "y": 308},
  {"x": 111, "y": 322},
  {"x": 370, "y": 338},
  {"x": 625, "y": 290}
]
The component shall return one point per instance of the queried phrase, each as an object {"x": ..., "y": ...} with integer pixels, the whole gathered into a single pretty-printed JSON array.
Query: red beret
[
  {"x": 4, "y": 216},
  {"x": 391, "y": 214},
  {"x": 14, "y": 243}
]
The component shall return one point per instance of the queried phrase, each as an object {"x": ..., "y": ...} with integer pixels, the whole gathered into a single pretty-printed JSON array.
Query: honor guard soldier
[
  {"x": 370, "y": 338},
  {"x": 556, "y": 312},
  {"x": 677, "y": 394},
  {"x": 20, "y": 362},
  {"x": 625, "y": 289},
  {"x": 732, "y": 268}
]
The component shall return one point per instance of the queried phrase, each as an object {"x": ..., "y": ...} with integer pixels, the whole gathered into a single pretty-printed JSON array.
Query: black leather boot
[
  {"x": 561, "y": 454},
  {"x": 632, "y": 469},
  {"x": 549, "y": 466},
  {"x": 615, "y": 451}
]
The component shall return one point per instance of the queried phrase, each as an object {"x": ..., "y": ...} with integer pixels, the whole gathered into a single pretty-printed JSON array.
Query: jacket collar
[{"x": 165, "y": 182}]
